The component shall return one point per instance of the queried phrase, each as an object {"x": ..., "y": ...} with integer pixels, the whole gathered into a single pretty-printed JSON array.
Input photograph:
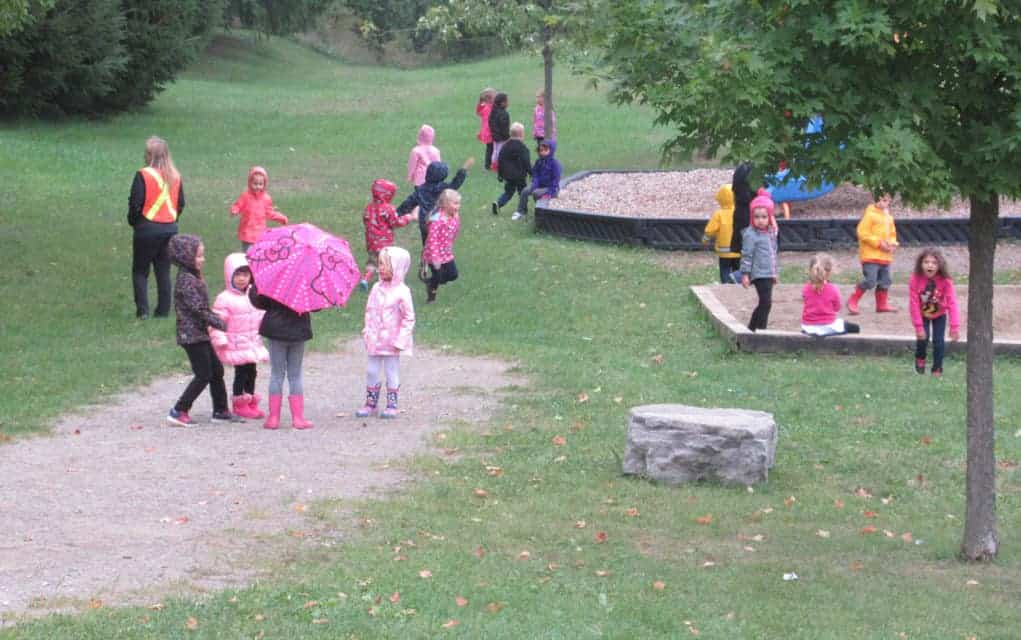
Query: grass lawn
[{"x": 563, "y": 546}]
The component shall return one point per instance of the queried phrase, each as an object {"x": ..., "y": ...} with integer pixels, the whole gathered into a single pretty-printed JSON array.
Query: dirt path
[{"x": 118, "y": 508}]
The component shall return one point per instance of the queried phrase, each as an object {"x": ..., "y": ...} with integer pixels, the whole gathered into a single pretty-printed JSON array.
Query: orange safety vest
[{"x": 160, "y": 202}]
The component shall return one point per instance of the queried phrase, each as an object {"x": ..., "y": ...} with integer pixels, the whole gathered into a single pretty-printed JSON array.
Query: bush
[{"x": 96, "y": 56}]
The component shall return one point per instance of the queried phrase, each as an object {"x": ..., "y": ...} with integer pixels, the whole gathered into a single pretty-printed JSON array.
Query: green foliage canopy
[{"x": 919, "y": 98}]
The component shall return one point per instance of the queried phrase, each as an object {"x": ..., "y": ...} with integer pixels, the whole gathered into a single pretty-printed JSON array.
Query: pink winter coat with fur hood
[
  {"x": 241, "y": 342},
  {"x": 421, "y": 155},
  {"x": 389, "y": 311}
]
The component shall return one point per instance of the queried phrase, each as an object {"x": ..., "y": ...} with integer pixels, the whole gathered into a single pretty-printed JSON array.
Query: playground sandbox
[
  {"x": 730, "y": 307},
  {"x": 669, "y": 209}
]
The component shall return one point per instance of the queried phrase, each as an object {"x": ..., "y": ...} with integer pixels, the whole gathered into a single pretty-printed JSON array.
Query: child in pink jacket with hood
[
  {"x": 932, "y": 301},
  {"x": 421, "y": 155},
  {"x": 240, "y": 344},
  {"x": 389, "y": 326},
  {"x": 255, "y": 207}
]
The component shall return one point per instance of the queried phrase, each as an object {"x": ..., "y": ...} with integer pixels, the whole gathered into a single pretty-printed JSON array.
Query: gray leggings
[
  {"x": 378, "y": 364},
  {"x": 536, "y": 193},
  {"x": 285, "y": 359}
]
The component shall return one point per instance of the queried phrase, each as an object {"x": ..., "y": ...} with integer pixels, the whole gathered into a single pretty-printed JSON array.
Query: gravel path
[
  {"x": 118, "y": 508},
  {"x": 692, "y": 194}
]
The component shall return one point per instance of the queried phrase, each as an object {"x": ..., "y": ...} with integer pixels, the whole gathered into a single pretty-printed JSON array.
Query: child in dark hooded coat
[{"x": 426, "y": 194}]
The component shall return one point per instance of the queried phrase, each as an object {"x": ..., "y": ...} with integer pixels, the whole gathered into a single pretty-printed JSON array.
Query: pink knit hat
[{"x": 762, "y": 200}]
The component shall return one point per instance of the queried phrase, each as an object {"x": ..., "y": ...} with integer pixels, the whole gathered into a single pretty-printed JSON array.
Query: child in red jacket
[
  {"x": 255, "y": 207},
  {"x": 931, "y": 300},
  {"x": 380, "y": 218}
]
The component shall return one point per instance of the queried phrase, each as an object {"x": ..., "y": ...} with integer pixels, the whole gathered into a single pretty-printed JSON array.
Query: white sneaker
[{"x": 517, "y": 216}]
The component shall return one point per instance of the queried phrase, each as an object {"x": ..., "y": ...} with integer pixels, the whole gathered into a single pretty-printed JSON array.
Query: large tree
[{"x": 919, "y": 98}]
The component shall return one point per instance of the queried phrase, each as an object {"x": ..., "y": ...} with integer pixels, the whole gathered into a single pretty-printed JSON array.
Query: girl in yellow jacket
[
  {"x": 721, "y": 227},
  {"x": 877, "y": 240}
]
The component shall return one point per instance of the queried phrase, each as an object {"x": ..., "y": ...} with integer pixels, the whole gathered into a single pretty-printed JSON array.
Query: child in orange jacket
[
  {"x": 255, "y": 207},
  {"x": 877, "y": 240}
]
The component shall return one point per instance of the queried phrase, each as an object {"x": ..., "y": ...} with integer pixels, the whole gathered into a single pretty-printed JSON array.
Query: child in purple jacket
[{"x": 545, "y": 178}]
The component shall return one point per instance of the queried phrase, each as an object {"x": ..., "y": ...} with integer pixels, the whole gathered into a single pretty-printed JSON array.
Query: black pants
[
  {"x": 446, "y": 273},
  {"x": 510, "y": 189},
  {"x": 489, "y": 155},
  {"x": 208, "y": 371},
  {"x": 145, "y": 252},
  {"x": 936, "y": 329},
  {"x": 727, "y": 267},
  {"x": 244, "y": 379},
  {"x": 760, "y": 316}
]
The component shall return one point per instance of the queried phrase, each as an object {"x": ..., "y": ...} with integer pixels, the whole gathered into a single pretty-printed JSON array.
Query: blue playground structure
[{"x": 785, "y": 189}]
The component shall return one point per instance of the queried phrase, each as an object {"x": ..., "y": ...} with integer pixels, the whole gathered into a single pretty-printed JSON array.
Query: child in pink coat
[
  {"x": 438, "y": 252},
  {"x": 931, "y": 299},
  {"x": 389, "y": 327},
  {"x": 821, "y": 300},
  {"x": 380, "y": 219},
  {"x": 482, "y": 109},
  {"x": 255, "y": 207},
  {"x": 421, "y": 155},
  {"x": 239, "y": 344},
  {"x": 539, "y": 120}
]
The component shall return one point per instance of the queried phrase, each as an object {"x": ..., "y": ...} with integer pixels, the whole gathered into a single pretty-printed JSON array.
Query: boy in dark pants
[{"x": 513, "y": 166}]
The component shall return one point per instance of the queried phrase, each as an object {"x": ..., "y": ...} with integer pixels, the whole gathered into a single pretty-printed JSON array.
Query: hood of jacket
[
  {"x": 183, "y": 248},
  {"x": 552, "y": 144},
  {"x": 400, "y": 262},
  {"x": 258, "y": 171},
  {"x": 725, "y": 197},
  {"x": 426, "y": 134},
  {"x": 231, "y": 264},
  {"x": 436, "y": 172},
  {"x": 383, "y": 190}
]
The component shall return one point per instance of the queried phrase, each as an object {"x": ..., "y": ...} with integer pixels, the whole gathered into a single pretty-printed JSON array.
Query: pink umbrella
[{"x": 303, "y": 267}]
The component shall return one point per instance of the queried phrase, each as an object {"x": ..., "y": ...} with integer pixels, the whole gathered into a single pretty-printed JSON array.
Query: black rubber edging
[{"x": 796, "y": 235}]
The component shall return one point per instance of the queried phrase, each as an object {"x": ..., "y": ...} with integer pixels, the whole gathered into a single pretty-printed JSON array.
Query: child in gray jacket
[{"x": 758, "y": 256}]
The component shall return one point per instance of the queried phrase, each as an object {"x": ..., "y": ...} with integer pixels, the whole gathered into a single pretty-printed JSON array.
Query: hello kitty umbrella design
[{"x": 303, "y": 267}]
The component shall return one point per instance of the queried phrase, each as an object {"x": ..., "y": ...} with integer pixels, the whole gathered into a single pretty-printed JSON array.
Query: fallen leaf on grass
[
  {"x": 156, "y": 607},
  {"x": 582, "y": 397},
  {"x": 1007, "y": 465},
  {"x": 868, "y": 529},
  {"x": 856, "y": 566},
  {"x": 425, "y": 573},
  {"x": 600, "y": 537},
  {"x": 450, "y": 624},
  {"x": 480, "y": 493},
  {"x": 926, "y": 440},
  {"x": 839, "y": 504},
  {"x": 524, "y": 555},
  {"x": 658, "y": 358},
  {"x": 972, "y": 583},
  {"x": 395, "y": 598},
  {"x": 461, "y": 602},
  {"x": 191, "y": 624},
  {"x": 659, "y": 585},
  {"x": 559, "y": 441},
  {"x": 869, "y": 514},
  {"x": 259, "y": 617},
  {"x": 822, "y": 533},
  {"x": 632, "y": 512},
  {"x": 789, "y": 500},
  {"x": 888, "y": 533},
  {"x": 618, "y": 399},
  {"x": 479, "y": 552},
  {"x": 862, "y": 492},
  {"x": 907, "y": 537},
  {"x": 580, "y": 524},
  {"x": 706, "y": 519},
  {"x": 494, "y": 607},
  {"x": 495, "y": 472},
  {"x": 320, "y": 621},
  {"x": 602, "y": 573},
  {"x": 95, "y": 604},
  {"x": 310, "y": 604}
]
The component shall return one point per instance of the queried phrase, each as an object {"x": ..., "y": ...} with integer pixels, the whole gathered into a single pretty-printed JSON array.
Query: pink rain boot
[
  {"x": 273, "y": 421},
  {"x": 253, "y": 406},
  {"x": 371, "y": 400},
  {"x": 239, "y": 406},
  {"x": 391, "y": 404},
  {"x": 298, "y": 420}
]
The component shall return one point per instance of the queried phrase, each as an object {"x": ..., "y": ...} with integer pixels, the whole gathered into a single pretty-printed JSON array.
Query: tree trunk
[
  {"x": 547, "y": 67},
  {"x": 980, "y": 541}
]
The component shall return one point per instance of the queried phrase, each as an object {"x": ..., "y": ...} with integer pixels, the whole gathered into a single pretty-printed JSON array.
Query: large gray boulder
[{"x": 676, "y": 443}]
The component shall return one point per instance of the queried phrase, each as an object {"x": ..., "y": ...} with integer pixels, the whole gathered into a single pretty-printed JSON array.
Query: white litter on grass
[{"x": 789, "y": 577}]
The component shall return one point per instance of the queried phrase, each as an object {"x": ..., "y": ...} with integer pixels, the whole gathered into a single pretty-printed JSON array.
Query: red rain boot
[
  {"x": 298, "y": 420},
  {"x": 882, "y": 303},
  {"x": 852, "y": 302},
  {"x": 273, "y": 421},
  {"x": 253, "y": 406}
]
